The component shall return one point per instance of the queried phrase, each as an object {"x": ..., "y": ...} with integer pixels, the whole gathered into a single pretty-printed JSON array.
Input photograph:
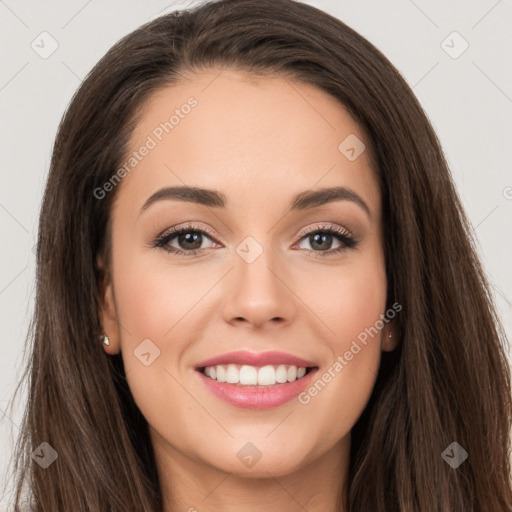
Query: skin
[{"x": 260, "y": 142}]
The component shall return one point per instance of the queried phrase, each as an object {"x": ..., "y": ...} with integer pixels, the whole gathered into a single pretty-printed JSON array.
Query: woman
[{"x": 256, "y": 285}]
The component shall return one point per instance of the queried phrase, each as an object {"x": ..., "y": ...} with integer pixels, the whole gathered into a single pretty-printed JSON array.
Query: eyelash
[{"x": 346, "y": 239}]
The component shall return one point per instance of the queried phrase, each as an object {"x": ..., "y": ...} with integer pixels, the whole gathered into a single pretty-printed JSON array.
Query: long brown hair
[{"x": 448, "y": 380}]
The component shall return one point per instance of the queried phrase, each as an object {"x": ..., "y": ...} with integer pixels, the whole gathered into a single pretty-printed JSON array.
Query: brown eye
[
  {"x": 185, "y": 240},
  {"x": 321, "y": 240},
  {"x": 188, "y": 240}
]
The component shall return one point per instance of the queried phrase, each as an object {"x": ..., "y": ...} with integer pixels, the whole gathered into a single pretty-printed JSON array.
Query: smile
[
  {"x": 247, "y": 375},
  {"x": 256, "y": 396}
]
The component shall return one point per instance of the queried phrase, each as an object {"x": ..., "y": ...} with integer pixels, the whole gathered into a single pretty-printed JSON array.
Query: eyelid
[
  {"x": 188, "y": 227},
  {"x": 304, "y": 232},
  {"x": 340, "y": 230},
  {"x": 348, "y": 239}
]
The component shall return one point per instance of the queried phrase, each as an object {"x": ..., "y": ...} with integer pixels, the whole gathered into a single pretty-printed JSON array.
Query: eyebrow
[{"x": 215, "y": 199}]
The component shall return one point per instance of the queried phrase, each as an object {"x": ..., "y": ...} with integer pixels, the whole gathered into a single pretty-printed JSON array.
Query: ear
[
  {"x": 389, "y": 339},
  {"x": 107, "y": 309}
]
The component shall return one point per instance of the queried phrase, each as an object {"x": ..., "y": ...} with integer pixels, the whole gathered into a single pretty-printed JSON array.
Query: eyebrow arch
[
  {"x": 312, "y": 198},
  {"x": 213, "y": 198},
  {"x": 188, "y": 194}
]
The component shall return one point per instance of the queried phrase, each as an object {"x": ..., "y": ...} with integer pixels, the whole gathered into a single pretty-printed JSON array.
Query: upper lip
[{"x": 256, "y": 359}]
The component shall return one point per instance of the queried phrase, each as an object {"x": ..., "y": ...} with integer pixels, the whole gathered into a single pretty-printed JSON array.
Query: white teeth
[
  {"x": 281, "y": 374},
  {"x": 221, "y": 373},
  {"x": 246, "y": 375},
  {"x": 266, "y": 376},
  {"x": 232, "y": 374},
  {"x": 292, "y": 373},
  {"x": 211, "y": 372}
]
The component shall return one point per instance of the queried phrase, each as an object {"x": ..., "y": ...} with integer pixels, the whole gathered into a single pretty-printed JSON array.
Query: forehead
[{"x": 250, "y": 136}]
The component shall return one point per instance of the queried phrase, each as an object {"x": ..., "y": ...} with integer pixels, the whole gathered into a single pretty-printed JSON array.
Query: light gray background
[{"x": 468, "y": 99}]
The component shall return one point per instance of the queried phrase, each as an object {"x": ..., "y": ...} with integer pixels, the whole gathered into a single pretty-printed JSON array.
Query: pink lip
[
  {"x": 257, "y": 397},
  {"x": 256, "y": 359}
]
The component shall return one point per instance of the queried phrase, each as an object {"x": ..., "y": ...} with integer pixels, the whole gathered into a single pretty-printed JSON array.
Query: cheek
[
  {"x": 350, "y": 304},
  {"x": 358, "y": 323},
  {"x": 155, "y": 300},
  {"x": 348, "y": 298},
  {"x": 361, "y": 298},
  {"x": 155, "y": 308}
]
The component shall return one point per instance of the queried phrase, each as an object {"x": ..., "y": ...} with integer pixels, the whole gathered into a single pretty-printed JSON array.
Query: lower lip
[{"x": 254, "y": 397}]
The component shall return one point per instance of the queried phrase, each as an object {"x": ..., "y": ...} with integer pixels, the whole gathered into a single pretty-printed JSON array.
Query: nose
[{"x": 257, "y": 294}]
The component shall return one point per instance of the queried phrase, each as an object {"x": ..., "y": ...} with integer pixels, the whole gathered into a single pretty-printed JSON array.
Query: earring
[
  {"x": 390, "y": 334},
  {"x": 105, "y": 339}
]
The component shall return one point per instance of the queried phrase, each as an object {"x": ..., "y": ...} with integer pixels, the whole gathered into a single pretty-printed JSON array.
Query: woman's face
[{"x": 265, "y": 276}]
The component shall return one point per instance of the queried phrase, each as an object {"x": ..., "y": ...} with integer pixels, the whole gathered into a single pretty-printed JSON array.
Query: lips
[
  {"x": 259, "y": 396},
  {"x": 256, "y": 359}
]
